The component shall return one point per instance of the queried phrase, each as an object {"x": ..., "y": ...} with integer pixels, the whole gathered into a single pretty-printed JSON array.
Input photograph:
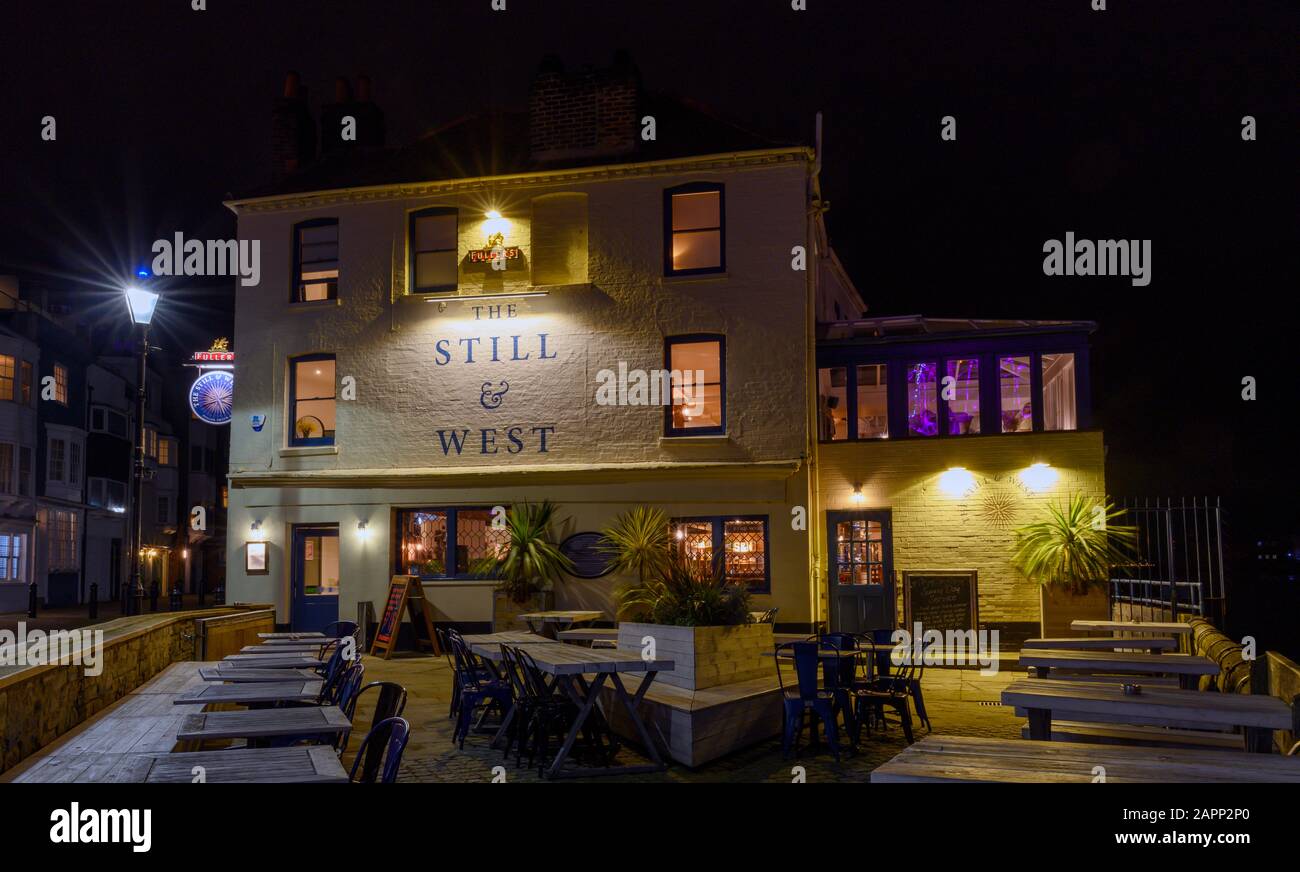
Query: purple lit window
[
  {"x": 922, "y": 399},
  {"x": 962, "y": 393},
  {"x": 1017, "y": 405}
]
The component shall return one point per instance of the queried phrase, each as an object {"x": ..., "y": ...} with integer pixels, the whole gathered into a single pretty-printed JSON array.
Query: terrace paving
[{"x": 959, "y": 702}]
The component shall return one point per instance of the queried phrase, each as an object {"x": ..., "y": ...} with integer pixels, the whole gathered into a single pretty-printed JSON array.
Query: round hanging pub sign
[{"x": 212, "y": 396}]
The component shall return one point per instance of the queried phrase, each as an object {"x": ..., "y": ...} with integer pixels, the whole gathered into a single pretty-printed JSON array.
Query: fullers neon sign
[{"x": 487, "y": 255}]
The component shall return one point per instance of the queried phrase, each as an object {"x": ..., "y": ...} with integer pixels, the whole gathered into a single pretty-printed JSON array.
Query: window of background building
[
  {"x": 60, "y": 384},
  {"x": 964, "y": 388},
  {"x": 873, "y": 401},
  {"x": 164, "y": 452},
  {"x": 164, "y": 510},
  {"x": 1016, "y": 397},
  {"x": 698, "y": 408},
  {"x": 27, "y": 383},
  {"x": 434, "y": 253},
  {"x": 316, "y": 260},
  {"x": 695, "y": 232},
  {"x": 55, "y": 466},
  {"x": 24, "y": 471},
  {"x": 922, "y": 399},
  {"x": 7, "y": 376},
  {"x": 7, "y": 482},
  {"x": 741, "y": 542},
  {"x": 312, "y": 400},
  {"x": 559, "y": 239},
  {"x": 13, "y": 551},
  {"x": 150, "y": 442},
  {"x": 1058, "y": 392},
  {"x": 74, "y": 463},
  {"x": 832, "y": 403},
  {"x": 63, "y": 556}
]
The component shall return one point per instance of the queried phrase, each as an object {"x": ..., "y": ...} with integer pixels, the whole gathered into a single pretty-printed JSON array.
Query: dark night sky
[{"x": 1120, "y": 124}]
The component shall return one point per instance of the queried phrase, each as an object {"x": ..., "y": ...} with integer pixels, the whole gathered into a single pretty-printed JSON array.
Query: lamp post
[{"x": 141, "y": 304}]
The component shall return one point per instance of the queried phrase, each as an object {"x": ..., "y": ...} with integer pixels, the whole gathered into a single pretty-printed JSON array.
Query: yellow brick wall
[{"x": 936, "y": 530}]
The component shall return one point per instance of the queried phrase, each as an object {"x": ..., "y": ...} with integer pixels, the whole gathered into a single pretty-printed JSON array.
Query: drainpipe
[
  {"x": 85, "y": 479},
  {"x": 810, "y": 378}
]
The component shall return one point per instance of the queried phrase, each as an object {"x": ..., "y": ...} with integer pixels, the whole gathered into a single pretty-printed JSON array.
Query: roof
[
  {"x": 916, "y": 327},
  {"x": 497, "y": 144}
]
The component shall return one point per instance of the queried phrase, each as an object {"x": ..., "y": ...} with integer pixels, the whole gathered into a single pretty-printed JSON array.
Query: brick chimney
[
  {"x": 293, "y": 132},
  {"x": 369, "y": 118},
  {"x": 587, "y": 113}
]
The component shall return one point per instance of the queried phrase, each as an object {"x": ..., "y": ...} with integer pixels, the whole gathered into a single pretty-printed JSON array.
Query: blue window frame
[
  {"x": 445, "y": 541},
  {"x": 740, "y": 544},
  {"x": 695, "y": 229},
  {"x": 312, "y": 401},
  {"x": 432, "y": 245},
  {"x": 697, "y": 364},
  {"x": 315, "y": 260}
]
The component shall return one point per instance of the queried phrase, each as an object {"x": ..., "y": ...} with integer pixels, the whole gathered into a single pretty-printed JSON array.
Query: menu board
[
  {"x": 941, "y": 599},
  {"x": 405, "y": 593}
]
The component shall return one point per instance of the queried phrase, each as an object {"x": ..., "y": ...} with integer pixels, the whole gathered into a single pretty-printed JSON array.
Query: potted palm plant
[
  {"x": 527, "y": 565},
  {"x": 1069, "y": 553},
  {"x": 689, "y": 610}
]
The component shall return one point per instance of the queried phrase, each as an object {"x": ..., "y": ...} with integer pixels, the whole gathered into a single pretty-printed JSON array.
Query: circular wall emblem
[
  {"x": 588, "y": 560},
  {"x": 212, "y": 396}
]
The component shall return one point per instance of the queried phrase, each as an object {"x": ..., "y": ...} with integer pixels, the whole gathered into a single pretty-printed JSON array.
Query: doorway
[
  {"x": 861, "y": 570},
  {"x": 315, "y": 578}
]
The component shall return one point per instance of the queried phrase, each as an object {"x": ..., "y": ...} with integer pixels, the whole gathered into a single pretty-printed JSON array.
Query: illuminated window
[
  {"x": 922, "y": 400},
  {"x": 445, "y": 542},
  {"x": 695, "y": 235},
  {"x": 165, "y": 452},
  {"x": 13, "y": 553},
  {"x": 311, "y": 400},
  {"x": 225, "y": 497},
  {"x": 697, "y": 368},
  {"x": 833, "y": 403},
  {"x": 1058, "y": 392},
  {"x": 433, "y": 248},
  {"x": 316, "y": 260},
  {"x": 60, "y": 384},
  {"x": 873, "y": 405},
  {"x": 6, "y": 377},
  {"x": 1014, "y": 389},
  {"x": 962, "y": 393},
  {"x": 741, "y": 544}
]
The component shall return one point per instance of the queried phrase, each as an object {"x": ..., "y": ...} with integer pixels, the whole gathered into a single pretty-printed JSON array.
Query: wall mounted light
[
  {"x": 1039, "y": 477},
  {"x": 255, "y": 531},
  {"x": 858, "y": 496},
  {"x": 495, "y": 227},
  {"x": 957, "y": 481},
  {"x": 363, "y": 531},
  {"x": 185, "y": 553}
]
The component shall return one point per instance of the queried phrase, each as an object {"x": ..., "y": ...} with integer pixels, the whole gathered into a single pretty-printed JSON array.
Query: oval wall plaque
[{"x": 588, "y": 560}]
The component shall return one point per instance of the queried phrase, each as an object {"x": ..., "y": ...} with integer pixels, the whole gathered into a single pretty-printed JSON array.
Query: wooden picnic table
[
  {"x": 294, "y": 644},
  {"x": 548, "y": 623},
  {"x": 1042, "y": 698},
  {"x": 570, "y": 665},
  {"x": 265, "y": 723},
  {"x": 294, "y": 636},
  {"x": 968, "y": 758},
  {"x": 1150, "y": 627},
  {"x": 263, "y": 692},
  {"x": 297, "y": 764},
  {"x": 488, "y": 645},
  {"x": 1092, "y": 643},
  {"x": 1186, "y": 666},
  {"x": 216, "y": 673},
  {"x": 589, "y": 634},
  {"x": 270, "y": 649},
  {"x": 257, "y": 661}
]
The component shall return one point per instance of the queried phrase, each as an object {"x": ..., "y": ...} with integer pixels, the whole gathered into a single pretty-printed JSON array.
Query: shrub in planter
[{"x": 530, "y": 561}]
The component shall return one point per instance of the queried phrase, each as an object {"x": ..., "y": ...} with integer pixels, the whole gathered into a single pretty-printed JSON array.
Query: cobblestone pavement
[{"x": 957, "y": 702}]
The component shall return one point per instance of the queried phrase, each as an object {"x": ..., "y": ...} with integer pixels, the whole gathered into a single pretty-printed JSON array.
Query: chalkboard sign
[
  {"x": 941, "y": 599},
  {"x": 405, "y": 593},
  {"x": 588, "y": 560}
]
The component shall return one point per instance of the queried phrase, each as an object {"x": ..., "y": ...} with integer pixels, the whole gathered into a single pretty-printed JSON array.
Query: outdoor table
[
  {"x": 570, "y": 664},
  {"x": 1092, "y": 643},
  {"x": 290, "y": 660},
  {"x": 308, "y": 644},
  {"x": 1186, "y": 666},
  {"x": 589, "y": 634},
  {"x": 268, "y": 649},
  {"x": 297, "y": 764},
  {"x": 489, "y": 644},
  {"x": 216, "y": 673},
  {"x": 1258, "y": 714},
  {"x": 1178, "y": 629},
  {"x": 265, "y": 692},
  {"x": 548, "y": 623},
  {"x": 968, "y": 758},
  {"x": 294, "y": 636},
  {"x": 264, "y": 723}
]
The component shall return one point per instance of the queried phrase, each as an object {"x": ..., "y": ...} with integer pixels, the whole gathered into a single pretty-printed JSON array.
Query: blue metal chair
[
  {"x": 805, "y": 697},
  {"x": 339, "y": 629},
  {"x": 477, "y": 687},
  {"x": 380, "y": 754},
  {"x": 390, "y": 704}
]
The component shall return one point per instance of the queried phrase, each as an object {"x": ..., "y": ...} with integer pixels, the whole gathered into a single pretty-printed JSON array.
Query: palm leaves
[
  {"x": 687, "y": 593},
  {"x": 531, "y": 558},
  {"x": 637, "y": 543},
  {"x": 1075, "y": 545}
]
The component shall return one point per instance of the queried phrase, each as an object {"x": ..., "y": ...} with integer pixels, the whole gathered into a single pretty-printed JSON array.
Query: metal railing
[{"x": 1178, "y": 569}]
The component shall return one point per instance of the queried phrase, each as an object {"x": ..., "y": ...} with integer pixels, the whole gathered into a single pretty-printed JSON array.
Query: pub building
[{"x": 437, "y": 327}]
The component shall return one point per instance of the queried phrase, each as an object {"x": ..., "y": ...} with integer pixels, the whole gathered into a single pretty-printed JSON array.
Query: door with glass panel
[
  {"x": 315, "y": 577},
  {"x": 861, "y": 571}
]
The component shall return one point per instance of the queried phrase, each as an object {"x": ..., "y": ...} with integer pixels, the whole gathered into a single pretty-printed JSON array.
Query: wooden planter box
[
  {"x": 704, "y": 656},
  {"x": 506, "y": 612},
  {"x": 1058, "y": 607}
]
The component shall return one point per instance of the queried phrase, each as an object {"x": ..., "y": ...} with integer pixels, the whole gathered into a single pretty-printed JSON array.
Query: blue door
[
  {"x": 861, "y": 573},
  {"x": 315, "y": 577}
]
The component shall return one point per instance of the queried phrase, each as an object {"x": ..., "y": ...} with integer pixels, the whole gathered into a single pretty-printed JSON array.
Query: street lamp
[{"x": 141, "y": 303}]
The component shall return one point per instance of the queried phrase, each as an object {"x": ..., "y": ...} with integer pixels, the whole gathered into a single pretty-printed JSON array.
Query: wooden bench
[
  {"x": 1090, "y": 643},
  {"x": 599, "y": 637},
  {"x": 1147, "y": 737}
]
